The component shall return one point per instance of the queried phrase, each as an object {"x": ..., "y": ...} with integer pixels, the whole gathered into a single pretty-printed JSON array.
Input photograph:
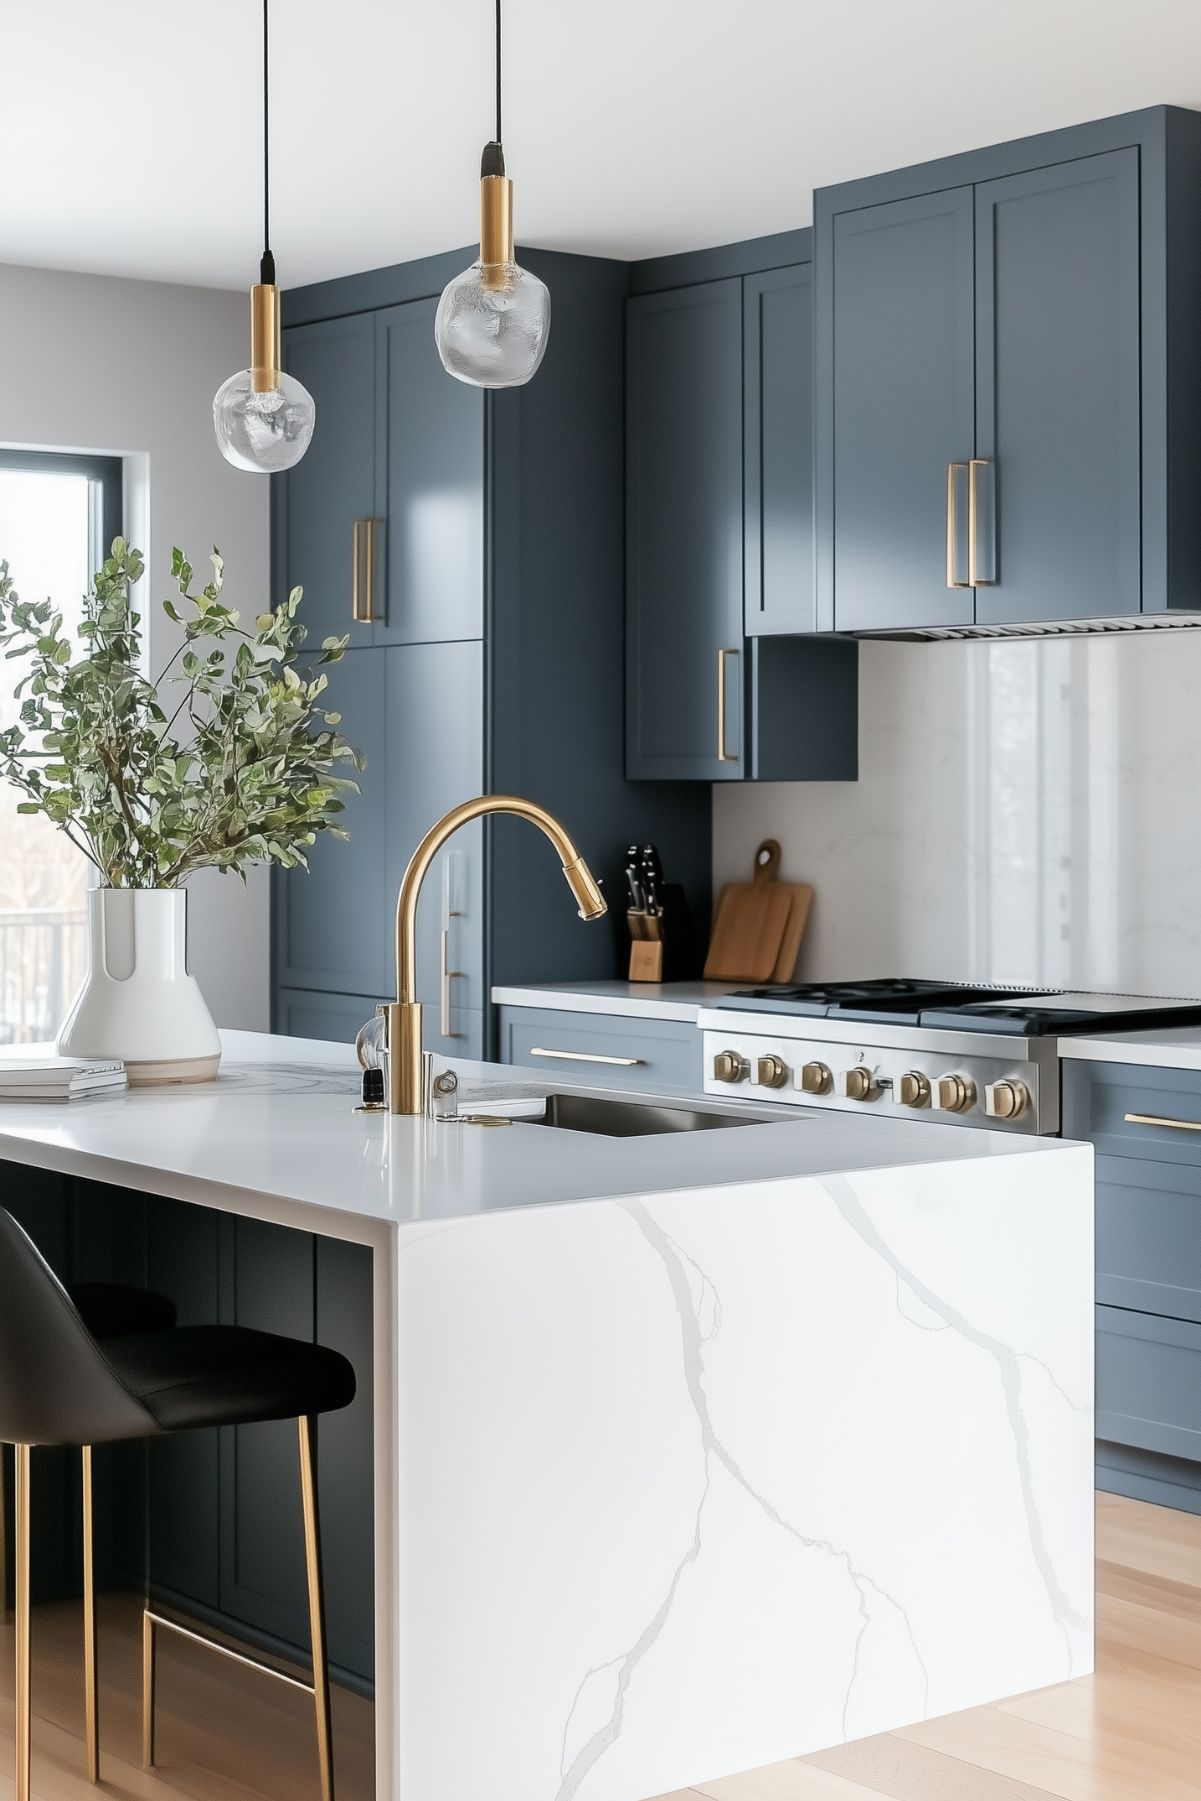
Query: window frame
[{"x": 106, "y": 489}]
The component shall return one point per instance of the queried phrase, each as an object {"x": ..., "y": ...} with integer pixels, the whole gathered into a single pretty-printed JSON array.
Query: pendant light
[
  {"x": 494, "y": 319},
  {"x": 264, "y": 417}
]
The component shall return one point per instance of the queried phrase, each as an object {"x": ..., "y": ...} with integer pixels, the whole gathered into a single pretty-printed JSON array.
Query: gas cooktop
[{"x": 961, "y": 1006}]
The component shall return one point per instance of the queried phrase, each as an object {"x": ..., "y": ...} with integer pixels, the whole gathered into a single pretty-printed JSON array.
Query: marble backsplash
[{"x": 1025, "y": 812}]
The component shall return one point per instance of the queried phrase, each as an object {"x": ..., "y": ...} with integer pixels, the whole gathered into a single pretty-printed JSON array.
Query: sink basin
[{"x": 612, "y": 1118}]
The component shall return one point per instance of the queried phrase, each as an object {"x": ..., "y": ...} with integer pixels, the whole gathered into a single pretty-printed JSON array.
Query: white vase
[{"x": 138, "y": 1001}]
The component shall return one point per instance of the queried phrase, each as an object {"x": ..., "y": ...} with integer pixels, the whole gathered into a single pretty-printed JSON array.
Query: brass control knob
[
  {"x": 860, "y": 1084},
  {"x": 817, "y": 1078},
  {"x": 913, "y": 1089},
  {"x": 954, "y": 1094},
  {"x": 771, "y": 1072},
  {"x": 731, "y": 1066},
  {"x": 1008, "y": 1099}
]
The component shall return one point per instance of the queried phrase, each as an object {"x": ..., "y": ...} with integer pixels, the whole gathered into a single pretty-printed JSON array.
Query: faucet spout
[{"x": 406, "y": 1087}]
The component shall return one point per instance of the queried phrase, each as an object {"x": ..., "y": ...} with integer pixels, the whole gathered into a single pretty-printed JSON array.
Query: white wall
[
  {"x": 1026, "y": 812},
  {"x": 130, "y": 368}
]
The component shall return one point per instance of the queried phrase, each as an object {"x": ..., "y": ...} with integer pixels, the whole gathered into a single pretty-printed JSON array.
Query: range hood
[{"x": 1043, "y": 628}]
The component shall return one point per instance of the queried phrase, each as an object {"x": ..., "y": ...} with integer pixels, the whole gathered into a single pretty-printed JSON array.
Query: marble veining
[{"x": 826, "y": 1444}]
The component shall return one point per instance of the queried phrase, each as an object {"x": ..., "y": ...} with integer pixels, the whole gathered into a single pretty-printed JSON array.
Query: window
[{"x": 58, "y": 515}]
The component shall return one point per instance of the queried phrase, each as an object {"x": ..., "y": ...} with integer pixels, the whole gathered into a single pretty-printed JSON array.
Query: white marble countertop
[
  {"x": 1172, "y": 1047},
  {"x": 278, "y": 1126},
  {"x": 640, "y": 1000}
]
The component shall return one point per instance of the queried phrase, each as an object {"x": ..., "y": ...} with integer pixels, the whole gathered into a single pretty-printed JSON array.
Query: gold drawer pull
[
  {"x": 447, "y": 976},
  {"x": 1158, "y": 1119},
  {"x": 953, "y": 581},
  {"x": 723, "y": 755},
  {"x": 590, "y": 1057},
  {"x": 362, "y": 571}
]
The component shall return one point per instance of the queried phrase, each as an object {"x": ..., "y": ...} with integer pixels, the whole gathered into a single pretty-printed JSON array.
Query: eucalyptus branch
[{"x": 259, "y": 778}]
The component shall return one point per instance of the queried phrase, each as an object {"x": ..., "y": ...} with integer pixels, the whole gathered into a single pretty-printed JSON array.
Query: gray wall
[{"x": 130, "y": 368}]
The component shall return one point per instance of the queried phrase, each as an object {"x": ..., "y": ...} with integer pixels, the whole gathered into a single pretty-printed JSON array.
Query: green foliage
[{"x": 252, "y": 775}]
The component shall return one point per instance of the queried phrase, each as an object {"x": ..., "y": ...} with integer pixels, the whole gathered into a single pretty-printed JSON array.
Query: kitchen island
[{"x": 692, "y": 1452}]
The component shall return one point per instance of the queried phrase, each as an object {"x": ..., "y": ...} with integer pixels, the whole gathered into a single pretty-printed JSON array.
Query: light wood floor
[{"x": 1132, "y": 1732}]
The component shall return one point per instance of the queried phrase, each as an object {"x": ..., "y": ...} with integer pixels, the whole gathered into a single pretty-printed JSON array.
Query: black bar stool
[
  {"x": 61, "y": 1385},
  {"x": 107, "y": 1309}
]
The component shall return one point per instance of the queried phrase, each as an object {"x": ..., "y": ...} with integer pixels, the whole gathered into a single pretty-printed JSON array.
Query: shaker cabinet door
[
  {"x": 897, "y": 371},
  {"x": 331, "y": 928},
  {"x": 430, "y": 486},
  {"x": 323, "y": 508},
  {"x": 435, "y": 701},
  {"x": 686, "y": 671},
  {"x": 1058, "y": 388},
  {"x": 778, "y": 405}
]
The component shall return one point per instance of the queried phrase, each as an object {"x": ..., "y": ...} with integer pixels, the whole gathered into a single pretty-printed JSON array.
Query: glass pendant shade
[
  {"x": 263, "y": 430},
  {"x": 493, "y": 321},
  {"x": 492, "y": 325}
]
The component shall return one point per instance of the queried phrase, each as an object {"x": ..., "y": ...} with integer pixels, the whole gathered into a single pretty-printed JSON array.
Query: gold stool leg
[
  {"x": 149, "y": 1685},
  {"x": 23, "y": 1711},
  {"x": 307, "y": 1427},
  {"x": 91, "y": 1710}
]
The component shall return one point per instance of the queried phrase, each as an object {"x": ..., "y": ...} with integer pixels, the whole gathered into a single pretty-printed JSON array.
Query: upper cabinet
[
  {"x": 323, "y": 514},
  {"x": 471, "y": 544},
  {"x": 1007, "y": 384},
  {"x": 719, "y": 526}
]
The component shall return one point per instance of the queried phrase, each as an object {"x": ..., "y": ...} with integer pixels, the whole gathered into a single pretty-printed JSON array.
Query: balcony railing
[{"x": 41, "y": 966}]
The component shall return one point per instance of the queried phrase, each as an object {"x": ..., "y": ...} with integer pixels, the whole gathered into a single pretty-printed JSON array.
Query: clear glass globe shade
[
  {"x": 492, "y": 332},
  {"x": 266, "y": 431}
]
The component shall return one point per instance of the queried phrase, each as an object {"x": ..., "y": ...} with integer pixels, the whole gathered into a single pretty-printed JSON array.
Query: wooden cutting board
[{"x": 757, "y": 931}]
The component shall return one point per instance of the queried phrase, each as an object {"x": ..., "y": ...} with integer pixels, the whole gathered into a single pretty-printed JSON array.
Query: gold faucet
[{"x": 403, "y": 1020}]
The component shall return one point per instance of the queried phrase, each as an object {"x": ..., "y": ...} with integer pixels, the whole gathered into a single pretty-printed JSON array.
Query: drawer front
[
  {"x": 335, "y": 1018},
  {"x": 1129, "y": 1111},
  {"x": 608, "y": 1050},
  {"x": 1149, "y": 1382},
  {"x": 1149, "y": 1236}
]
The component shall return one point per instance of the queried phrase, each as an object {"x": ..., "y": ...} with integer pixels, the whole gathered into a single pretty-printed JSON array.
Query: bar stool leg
[
  {"x": 3, "y": 1546},
  {"x": 91, "y": 1709},
  {"x": 23, "y": 1709},
  {"x": 307, "y": 1427}
]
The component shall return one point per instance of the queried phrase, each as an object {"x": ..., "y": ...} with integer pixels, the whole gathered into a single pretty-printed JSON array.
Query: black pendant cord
[
  {"x": 267, "y": 267},
  {"x": 499, "y": 138}
]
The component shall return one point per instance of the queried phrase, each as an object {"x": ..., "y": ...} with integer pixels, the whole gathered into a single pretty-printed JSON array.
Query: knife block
[{"x": 663, "y": 946}]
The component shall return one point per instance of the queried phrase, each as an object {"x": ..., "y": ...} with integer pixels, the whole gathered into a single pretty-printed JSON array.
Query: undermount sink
[{"x": 613, "y": 1118}]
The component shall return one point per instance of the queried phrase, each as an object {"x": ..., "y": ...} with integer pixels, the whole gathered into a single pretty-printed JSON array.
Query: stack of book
[{"x": 45, "y": 1076}]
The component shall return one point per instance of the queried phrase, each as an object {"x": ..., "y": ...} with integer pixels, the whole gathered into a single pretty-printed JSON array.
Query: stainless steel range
[{"x": 973, "y": 1056}]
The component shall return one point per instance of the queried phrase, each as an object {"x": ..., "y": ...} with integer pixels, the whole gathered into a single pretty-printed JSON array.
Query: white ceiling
[{"x": 632, "y": 127}]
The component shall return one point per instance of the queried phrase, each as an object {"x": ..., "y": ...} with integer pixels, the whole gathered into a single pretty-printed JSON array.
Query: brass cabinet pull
[
  {"x": 723, "y": 755},
  {"x": 974, "y": 578},
  {"x": 1158, "y": 1119},
  {"x": 362, "y": 565},
  {"x": 448, "y": 975},
  {"x": 953, "y": 470},
  {"x": 590, "y": 1057}
]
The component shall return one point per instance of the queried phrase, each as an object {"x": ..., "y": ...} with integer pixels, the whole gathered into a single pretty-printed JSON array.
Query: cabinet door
[
  {"x": 416, "y": 711},
  {"x": 321, "y": 503},
  {"x": 778, "y": 411},
  {"x": 685, "y": 659},
  {"x": 899, "y": 364},
  {"x": 435, "y": 760},
  {"x": 333, "y": 1018},
  {"x": 331, "y": 922},
  {"x": 430, "y": 486},
  {"x": 1058, "y": 387}
]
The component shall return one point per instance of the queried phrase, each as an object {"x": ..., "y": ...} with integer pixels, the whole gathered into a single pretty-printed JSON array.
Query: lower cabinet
[
  {"x": 213, "y": 1518},
  {"x": 308, "y": 1013},
  {"x": 608, "y": 1050},
  {"x": 1143, "y": 1125}
]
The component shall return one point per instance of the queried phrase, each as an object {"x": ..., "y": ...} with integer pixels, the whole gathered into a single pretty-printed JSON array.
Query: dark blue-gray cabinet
[
  {"x": 492, "y": 660},
  {"x": 1145, "y": 1125},
  {"x": 1005, "y": 379},
  {"x": 719, "y": 532}
]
